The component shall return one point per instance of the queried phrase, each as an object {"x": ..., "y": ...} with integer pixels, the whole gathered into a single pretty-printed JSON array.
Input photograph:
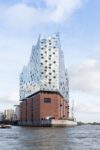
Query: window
[{"x": 47, "y": 100}]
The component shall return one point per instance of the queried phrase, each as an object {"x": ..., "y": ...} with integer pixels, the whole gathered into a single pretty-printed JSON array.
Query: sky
[{"x": 78, "y": 22}]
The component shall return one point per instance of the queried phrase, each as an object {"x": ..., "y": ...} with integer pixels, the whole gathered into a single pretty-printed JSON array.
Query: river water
[{"x": 86, "y": 137}]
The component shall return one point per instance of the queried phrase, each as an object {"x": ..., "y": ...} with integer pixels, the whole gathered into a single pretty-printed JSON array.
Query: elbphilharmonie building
[{"x": 44, "y": 88}]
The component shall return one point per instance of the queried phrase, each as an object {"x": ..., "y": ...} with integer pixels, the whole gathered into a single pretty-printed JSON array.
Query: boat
[{"x": 5, "y": 126}]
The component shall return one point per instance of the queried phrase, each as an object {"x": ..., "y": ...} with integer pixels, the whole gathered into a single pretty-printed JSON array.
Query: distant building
[
  {"x": 9, "y": 114},
  {"x": 44, "y": 89},
  {"x": 1, "y": 116},
  {"x": 16, "y": 113}
]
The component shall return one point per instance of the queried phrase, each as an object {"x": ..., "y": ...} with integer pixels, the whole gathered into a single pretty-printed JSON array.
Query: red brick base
[{"x": 43, "y": 105}]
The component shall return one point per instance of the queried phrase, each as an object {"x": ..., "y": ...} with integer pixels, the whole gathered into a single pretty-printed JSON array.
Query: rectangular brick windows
[{"x": 47, "y": 100}]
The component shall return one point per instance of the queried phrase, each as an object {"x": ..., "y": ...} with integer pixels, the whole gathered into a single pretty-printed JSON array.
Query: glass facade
[{"x": 45, "y": 70}]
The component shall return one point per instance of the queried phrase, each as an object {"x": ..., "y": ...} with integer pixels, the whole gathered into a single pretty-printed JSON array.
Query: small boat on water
[{"x": 5, "y": 126}]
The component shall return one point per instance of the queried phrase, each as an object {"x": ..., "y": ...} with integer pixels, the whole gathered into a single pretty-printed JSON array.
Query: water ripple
[{"x": 28, "y": 138}]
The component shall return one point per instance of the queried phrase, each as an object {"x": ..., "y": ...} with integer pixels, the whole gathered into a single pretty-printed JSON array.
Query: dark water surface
[{"x": 85, "y": 137}]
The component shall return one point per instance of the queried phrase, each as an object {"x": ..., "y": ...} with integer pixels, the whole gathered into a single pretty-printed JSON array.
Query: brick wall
[{"x": 43, "y": 105}]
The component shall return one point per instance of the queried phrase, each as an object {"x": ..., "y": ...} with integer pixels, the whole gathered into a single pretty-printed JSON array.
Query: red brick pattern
[
  {"x": 34, "y": 108},
  {"x": 29, "y": 109},
  {"x": 23, "y": 111}
]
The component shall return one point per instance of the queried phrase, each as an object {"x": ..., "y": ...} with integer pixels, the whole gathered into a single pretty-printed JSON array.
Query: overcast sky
[{"x": 78, "y": 22}]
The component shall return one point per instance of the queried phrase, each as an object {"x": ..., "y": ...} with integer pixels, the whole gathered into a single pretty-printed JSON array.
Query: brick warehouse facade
[{"x": 41, "y": 106}]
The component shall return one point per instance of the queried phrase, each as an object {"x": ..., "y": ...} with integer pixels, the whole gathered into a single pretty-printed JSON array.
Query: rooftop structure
[{"x": 45, "y": 70}]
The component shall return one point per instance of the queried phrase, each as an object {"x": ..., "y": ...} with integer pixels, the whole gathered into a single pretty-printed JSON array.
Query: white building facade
[{"x": 45, "y": 70}]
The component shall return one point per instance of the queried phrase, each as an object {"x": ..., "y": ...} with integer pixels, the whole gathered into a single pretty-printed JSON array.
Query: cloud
[
  {"x": 62, "y": 10},
  {"x": 87, "y": 107},
  {"x": 85, "y": 103},
  {"x": 10, "y": 98},
  {"x": 21, "y": 15},
  {"x": 85, "y": 76}
]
